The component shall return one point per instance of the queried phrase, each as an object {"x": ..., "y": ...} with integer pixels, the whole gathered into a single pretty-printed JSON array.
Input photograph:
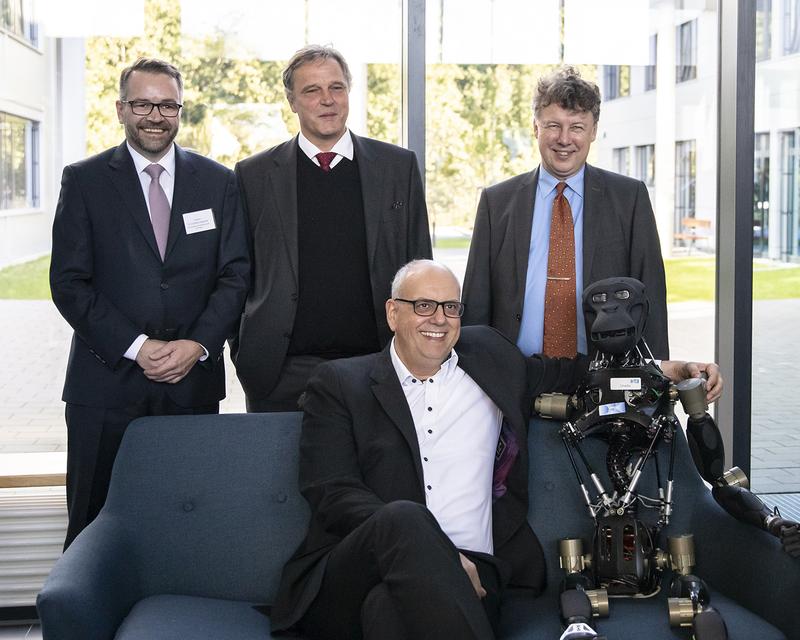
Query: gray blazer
[
  {"x": 619, "y": 239},
  {"x": 396, "y": 222}
]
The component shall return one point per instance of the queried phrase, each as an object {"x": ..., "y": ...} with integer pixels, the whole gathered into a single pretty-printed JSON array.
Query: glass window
[
  {"x": 763, "y": 30},
  {"x": 761, "y": 195},
  {"x": 646, "y": 164},
  {"x": 19, "y": 141},
  {"x": 791, "y": 26},
  {"x": 686, "y": 51},
  {"x": 621, "y": 160},
  {"x": 616, "y": 81},
  {"x": 16, "y": 16},
  {"x": 790, "y": 196},
  {"x": 650, "y": 69},
  {"x": 685, "y": 179}
]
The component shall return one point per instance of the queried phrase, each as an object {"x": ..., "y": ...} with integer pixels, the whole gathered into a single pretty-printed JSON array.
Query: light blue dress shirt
[{"x": 532, "y": 327}]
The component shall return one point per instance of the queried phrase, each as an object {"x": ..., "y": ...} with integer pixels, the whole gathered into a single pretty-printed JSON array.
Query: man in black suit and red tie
[
  {"x": 150, "y": 267},
  {"x": 333, "y": 215},
  {"x": 415, "y": 464}
]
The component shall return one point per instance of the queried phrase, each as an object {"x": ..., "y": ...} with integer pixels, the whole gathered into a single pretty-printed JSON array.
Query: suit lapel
[
  {"x": 594, "y": 191},
  {"x": 372, "y": 177},
  {"x": 522, "y": 215},
  {"x": 127, "y": 184},
  {"x": 282, "y": 177},
  {"x": 389, "y": 394},
  {"x": 184, "y": 195}
]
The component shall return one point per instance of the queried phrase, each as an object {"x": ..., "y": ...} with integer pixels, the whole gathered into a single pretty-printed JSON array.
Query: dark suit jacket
[
  {"x": 397, "y": 231},
  {"x": 359, "y": 451},
  {"x": 109, "y": 282},
  {"x": 619, "y": 239}
]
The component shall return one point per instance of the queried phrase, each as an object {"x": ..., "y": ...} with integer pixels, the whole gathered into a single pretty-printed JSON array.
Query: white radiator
[{"x": 33, "y": 524}]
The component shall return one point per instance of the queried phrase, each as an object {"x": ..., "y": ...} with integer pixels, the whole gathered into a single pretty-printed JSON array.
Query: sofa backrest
[{"x": 210, "y": 502}]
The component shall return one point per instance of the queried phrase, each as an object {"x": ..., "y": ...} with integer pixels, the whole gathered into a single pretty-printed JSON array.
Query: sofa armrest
[
  {"x": 746, "y": 564},
  {"x": 92, "y": 587}
]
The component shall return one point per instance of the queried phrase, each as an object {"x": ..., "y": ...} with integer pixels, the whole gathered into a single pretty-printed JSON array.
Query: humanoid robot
[{"x": 626, "y": 400}]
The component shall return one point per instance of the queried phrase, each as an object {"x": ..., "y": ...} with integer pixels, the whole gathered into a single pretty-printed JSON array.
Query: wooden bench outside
[{"x": 694, "y": 229}]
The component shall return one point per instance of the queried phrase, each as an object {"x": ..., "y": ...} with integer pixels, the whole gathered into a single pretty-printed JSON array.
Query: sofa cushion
[{"x": 170, "y": 617}]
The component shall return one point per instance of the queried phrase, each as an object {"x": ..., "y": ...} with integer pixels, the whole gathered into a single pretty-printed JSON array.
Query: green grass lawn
[
  {"x": 27, "y": 281},
  {"x": 690, "y": 278}
]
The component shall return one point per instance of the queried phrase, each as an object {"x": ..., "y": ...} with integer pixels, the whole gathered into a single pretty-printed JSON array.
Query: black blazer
[
  {"x": 620, "y": 238},
  {"x": 109, "y": 282},
  {"x": 396, "y": 222},
  {"x": 359, "y": 451}
]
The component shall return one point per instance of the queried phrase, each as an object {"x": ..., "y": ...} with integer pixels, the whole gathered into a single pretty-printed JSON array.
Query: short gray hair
[
  {"x": 312, "y": 53},
  {"x": 568, "y": 90},
  {"x": 415, "y": 265},
  {"x": 149, "y": 65}
]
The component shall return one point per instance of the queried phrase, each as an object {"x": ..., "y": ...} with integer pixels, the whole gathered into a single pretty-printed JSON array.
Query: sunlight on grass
[{"x": 27, "y": 281}]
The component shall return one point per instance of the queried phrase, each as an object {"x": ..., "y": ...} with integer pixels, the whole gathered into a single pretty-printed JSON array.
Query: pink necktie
[
  {"x": 560, "y": 306},
  {"x": 325, "y": 158},
  {"x": 159, "y": 207}
]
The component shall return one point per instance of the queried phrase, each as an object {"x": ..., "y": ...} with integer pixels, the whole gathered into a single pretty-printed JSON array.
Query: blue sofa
[{"x": 203, "y": 511}]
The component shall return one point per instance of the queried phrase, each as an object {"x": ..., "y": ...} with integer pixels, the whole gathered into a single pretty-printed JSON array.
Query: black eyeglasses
[
  {"x": 423, "y": 307},
  {"x": 144, "y": 108}
]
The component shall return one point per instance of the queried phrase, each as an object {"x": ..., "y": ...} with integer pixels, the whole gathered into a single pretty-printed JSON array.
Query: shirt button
[
  {"x": 429, "y": 487},
  {"x": 425, "y": 459},
  {"x": 430, "y": 408},
  {"x": 413, "y": 380},
  {"x": 430, "y": 430}
]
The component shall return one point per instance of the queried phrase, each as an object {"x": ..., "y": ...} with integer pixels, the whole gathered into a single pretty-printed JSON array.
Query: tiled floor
[{"x": 26, "y": 632}]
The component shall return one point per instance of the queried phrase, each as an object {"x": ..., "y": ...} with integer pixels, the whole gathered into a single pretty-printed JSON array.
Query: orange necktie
[{"x": 560, "y": 312}]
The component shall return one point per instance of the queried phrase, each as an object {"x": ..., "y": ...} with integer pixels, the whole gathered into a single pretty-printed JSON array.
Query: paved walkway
[{"x": 36, "y": 339}]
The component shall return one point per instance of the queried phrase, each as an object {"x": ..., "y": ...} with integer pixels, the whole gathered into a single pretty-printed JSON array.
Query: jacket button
[
  {"x": 188, "y": 506},
  {"x": 294, "y": 296},
  {"x": 518, "y": 317},
  {"x": 164, "y": 286},
  {"x": 287, "y": 335}
]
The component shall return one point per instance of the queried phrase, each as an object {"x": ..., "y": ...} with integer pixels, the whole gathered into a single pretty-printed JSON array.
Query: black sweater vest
[{"x": 335, "y": 312}]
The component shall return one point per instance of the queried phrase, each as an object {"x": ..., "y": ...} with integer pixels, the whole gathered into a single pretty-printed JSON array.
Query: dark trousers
[
  {"x": 292, "y": 382},
  {"x": 93, "y": 438},
  {"x": 398, "y": 576}
]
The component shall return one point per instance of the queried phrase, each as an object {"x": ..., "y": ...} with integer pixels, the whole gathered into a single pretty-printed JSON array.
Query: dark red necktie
[
  {"x": 325, "y": 158},
  {"x": 560, "y": 306}
]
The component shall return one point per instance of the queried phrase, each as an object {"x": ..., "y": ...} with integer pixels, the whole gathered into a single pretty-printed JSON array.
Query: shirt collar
[
  {"x": 407, "y": 378},
  {"x": 548, "y": 182},
  {"x": 343, "y": 146},
  {"x": 141, "y": 163}
]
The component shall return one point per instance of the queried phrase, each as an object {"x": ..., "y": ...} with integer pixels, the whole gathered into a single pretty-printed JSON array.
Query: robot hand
[{"x": 789, "y": 533}]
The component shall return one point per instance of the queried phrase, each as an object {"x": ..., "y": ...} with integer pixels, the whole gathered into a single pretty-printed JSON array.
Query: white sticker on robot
[
  {"x": 612, "y": 408},
  {"x": 626, "y": 384}
]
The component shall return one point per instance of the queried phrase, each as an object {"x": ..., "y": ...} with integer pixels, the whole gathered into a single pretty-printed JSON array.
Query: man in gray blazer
[
  {"x": 614, "y": 227},
  {"x": 332, "y": 217}
]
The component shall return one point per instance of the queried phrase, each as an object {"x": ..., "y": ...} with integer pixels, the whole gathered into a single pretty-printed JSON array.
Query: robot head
[{"x": 616, "y": 310}]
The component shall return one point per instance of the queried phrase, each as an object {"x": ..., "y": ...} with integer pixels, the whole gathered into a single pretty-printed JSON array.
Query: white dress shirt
[
  {"x": 343, "y": 148},
  {"x": 457, "y": 427}
]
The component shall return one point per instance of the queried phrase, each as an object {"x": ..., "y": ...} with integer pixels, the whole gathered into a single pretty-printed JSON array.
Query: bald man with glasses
[{"x": 415, "y": 464}]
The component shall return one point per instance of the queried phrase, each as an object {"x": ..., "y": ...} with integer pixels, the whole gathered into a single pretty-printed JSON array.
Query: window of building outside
[
  {"x": 15, "y": 16},
  {"x": 19, "y": 160},
  {"x": 685, "y": 179},
  {"x": 791, "y": 26},
  {"x": 646, "y": 164},
  {"x": 686, "y": 51},
  {"x": 763, "y": 30},
  {"x": 650, "y": 69},
  {"x": 621, "y": 160},
  {"x": 790, "y": 196},
  {"x": 761, "y": 195},
  {"x": 616, "y": 81}
]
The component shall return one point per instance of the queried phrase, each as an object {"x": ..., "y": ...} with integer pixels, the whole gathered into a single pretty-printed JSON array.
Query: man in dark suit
[
  {"x": 414, "y": 462},
  {"x": 332, "y": 217},
  {"x": 512, "y": 281},
  {"x": 150, "y": 266}
]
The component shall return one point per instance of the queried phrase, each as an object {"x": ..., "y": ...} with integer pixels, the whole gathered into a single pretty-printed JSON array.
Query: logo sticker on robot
[
  {"x": 612, "y": 408},
  {"x": 626, "y": 384}
]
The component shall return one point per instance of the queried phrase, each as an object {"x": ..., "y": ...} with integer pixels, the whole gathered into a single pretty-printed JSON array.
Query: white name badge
[
  {"x": 626, "y": 384},
  {"x": 612, "y": 408},
  {"x": 197, "y": 221}
]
